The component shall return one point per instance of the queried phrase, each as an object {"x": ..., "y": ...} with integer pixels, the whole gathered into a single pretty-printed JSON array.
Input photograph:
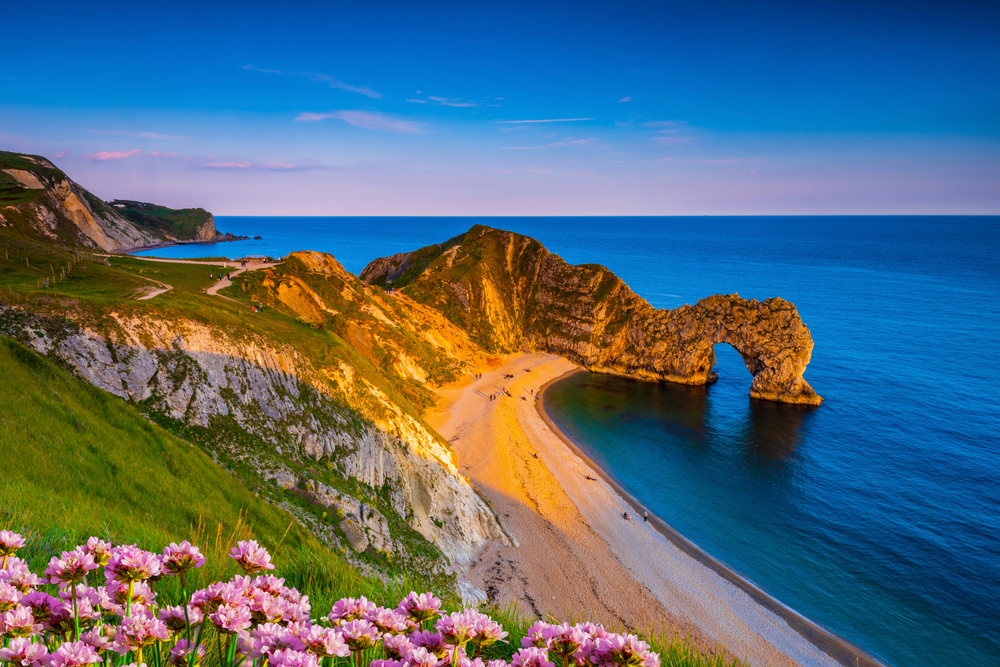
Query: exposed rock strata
[
  {"x": 198, "y": 374},
  {"x": 509, "y": 292}
]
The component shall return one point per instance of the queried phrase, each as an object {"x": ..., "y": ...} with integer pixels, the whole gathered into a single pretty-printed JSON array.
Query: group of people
[
  {"x": 645, "y": 515},
  {"x": 502, "y": 392}
]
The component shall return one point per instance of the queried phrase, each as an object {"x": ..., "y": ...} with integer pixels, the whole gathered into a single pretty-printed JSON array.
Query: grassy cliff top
[{"x": 182, "y": 224}]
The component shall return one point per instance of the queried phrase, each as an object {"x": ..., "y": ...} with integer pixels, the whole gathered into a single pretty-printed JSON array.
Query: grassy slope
[{"x": 162, "y": 221}]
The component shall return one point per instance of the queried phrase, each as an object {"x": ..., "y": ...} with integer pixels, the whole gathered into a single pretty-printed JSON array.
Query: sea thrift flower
[
  {"x": 387, "y": 663},
  {"x": 180, "y": 652},
  {"x": 72, "y": 654},
  {"x": 623, "y": 650},
  {"x": 419, "y": 607},
  {"x": 138, "y": 631},
  {"x": 229, "y": 619},
  {"x": 70, "y": 567},
  {"x": 9, "y": 596},
  {"x": 18, "y": 622},
  {"x": 96, "y": 641},
  {"x": 268, "y": 609},
  {"x": 130, "y": 563},
  {"x": 270, "y": 637},
  {"x": 22, "y": 651},
  {"x": 349, "y": 609},
  {"x": 10, "y": 542},
  {"x": 531, "y": 657},
  {"x": 325, "y": 642},
  {"x": 175, "y": 620},
  {"x": 19, "y": 575},
  {"x": 292, "y": 658},
  {"x": 359, "y": 635},
  {"x": 179, "y": 558},
  {"x": 459, "y": 627},
  {"x": 99, "y": 549},
  {"x": 565, "y": 639},
  {"x": 536, "y": 635},
  {"x": 421, "y": 657},
  {"x": 388, "y": 621},
  {"x": 397, "y": 646},
  {"x": 116, "y": 596},
  {"x": 432, "y": 641},
  {"x": 251, "y": 557},
  {"x": 488, "y": 632}
]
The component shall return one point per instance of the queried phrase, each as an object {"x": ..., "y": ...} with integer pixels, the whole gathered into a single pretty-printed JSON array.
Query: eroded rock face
[
  {"x": 198, "y": 374},
  {"x": 510, "y": 293}
]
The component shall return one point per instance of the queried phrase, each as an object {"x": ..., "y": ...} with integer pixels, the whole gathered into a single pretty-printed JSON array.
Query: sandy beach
[{"x": 579, "y": 556}]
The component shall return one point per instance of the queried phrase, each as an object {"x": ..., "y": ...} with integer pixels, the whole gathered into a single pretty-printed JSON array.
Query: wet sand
[{"x": 578, "y": 556}]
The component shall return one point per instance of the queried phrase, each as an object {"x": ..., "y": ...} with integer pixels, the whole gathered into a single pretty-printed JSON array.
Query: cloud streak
[
  {"x": 366, "y": 120},
  {"x": 625, "y": 99},
  {"x": 546, "y": 120},
  {"x": 265, "y": 71},
  {"x": 103, "y": 156},
  {"x": 555, "y": 144},
  {"x": 334, "y": 82}
]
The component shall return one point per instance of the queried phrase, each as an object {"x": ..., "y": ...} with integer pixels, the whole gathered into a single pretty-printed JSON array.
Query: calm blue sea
[{"x": 876, "y": 514}]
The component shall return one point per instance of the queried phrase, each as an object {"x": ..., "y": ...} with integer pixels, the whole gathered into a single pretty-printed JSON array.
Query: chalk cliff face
[
  {"x": 509, "y": 292},
  {"x": 298, "y": 409},
  {"x": 38, "y": 199}
]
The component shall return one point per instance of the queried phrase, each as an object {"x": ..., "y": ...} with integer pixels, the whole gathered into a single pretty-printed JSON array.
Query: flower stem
[{"x": 76, "y": 617}]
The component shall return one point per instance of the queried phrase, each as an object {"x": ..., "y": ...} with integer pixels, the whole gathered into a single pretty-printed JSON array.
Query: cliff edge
[{"x": 510, "y": 293}]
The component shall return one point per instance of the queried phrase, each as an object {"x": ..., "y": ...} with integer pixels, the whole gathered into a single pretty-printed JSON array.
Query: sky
[{"x": 540, "y": 108}]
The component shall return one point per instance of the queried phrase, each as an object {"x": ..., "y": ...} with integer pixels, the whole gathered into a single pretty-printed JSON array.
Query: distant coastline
[
  {"x": 836, "y": 647},
  {"x": 221, "y": 238}
]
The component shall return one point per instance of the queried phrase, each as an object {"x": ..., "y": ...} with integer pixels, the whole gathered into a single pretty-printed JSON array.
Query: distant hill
[
  {"x": 38, "y": 200},
  {"x": 186, "y": 224}
]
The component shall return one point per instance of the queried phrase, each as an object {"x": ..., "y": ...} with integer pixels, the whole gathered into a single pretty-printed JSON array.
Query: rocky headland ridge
[{"x": 511, "y": 293}]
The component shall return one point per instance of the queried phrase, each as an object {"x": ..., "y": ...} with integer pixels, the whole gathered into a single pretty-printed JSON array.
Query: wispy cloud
[
  {"x": 143, "y": 135},
  {"x": 62, "y": 153},
  {"x": 670, "y": 132},
  {"x": 625, "y": 99},
  {"x": 443, "y": 101},
  {"x": 228, "y": 165},
  {"x": 590, "y": 141},
  {"x": 546, "y": 120},
  {"x": 265, "y": 71},
  {"x": 113, "y": 155},
  {"x": 334, "y": 82},
  {"x": 162, "y": 155},
  {"x": 417, "y": 101},
  {"x": 365, "y": 119}
]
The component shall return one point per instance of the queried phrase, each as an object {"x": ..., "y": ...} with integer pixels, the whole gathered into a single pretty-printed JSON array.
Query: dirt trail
[{"x": 213, "y": 289}]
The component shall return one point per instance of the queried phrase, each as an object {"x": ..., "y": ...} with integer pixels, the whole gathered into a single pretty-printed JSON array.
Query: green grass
[
  {"x": 162, "y": 221},
  {"x": 186, "y": 277}
]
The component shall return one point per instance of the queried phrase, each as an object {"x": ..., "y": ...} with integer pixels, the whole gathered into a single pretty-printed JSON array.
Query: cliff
[
  {"x": 37, "y": 199},
  {"x": 187, "y": 224},
  {"x": 509, "y": 293}
]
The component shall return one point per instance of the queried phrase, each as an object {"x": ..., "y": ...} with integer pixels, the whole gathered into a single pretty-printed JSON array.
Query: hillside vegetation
[{"x": 167, "y": 223}]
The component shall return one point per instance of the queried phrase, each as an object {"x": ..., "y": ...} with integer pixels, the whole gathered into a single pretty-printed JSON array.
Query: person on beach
[
  {"x": 627, "y": 517},
  {"x": 645, "y": 516}
]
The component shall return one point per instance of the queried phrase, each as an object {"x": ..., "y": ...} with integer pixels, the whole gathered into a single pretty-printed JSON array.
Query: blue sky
[{"x": 423, "y": 109}]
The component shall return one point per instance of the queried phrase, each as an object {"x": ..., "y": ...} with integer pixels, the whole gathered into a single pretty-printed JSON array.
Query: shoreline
[
  {"x": 170, "y": 244},
  {"x": 833, "y": 645}
]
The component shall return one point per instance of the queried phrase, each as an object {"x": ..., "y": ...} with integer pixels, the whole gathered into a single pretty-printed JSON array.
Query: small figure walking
[
  {"x": 627, "y": 517},
  {"x": 645, "y": 516}
]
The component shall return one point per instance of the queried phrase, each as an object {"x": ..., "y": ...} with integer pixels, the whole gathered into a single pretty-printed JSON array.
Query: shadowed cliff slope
[{"x": 509, "y": 293}]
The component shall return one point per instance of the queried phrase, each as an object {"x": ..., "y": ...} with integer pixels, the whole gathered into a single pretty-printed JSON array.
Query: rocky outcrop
[
  {"x": 508, "y": 292},
  {"x": 300, "y": 411},
  {"x": 45, "y": 202}
]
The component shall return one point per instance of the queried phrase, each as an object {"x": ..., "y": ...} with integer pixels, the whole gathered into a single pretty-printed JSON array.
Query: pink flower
[
  {"x": 138, "y": 631},
  {"x": 325, "y": 642},
  {"x": 488, "y": 632},
  {"x": 536, "y": 636},
  {"x": 266, "y": 608},
  {"x": 267, "y": 638},
  {"x": 421, "y": 657},
  {"x": 70, "y": 567},
  {"x": 388, "y": 620},
  {"x": 229, "y": 619},
  {"x": 179, "y": 558},
  {"x": 292, "y": 658},
  {"x": 459, "y": 627},
  {"x": 175, "y": 620},
  {"x": 96, "y": 641},
  {"x": 271, "y": 584},
  {"x": 130, "y": 563},
  {"x": 180, "y": 652},
  {"x": 209, "y": 599},
  {"x": 359, "y": 635},
  {"x": 531, "y": 657},
  {"x": 419, "y": 607},
  {"x": 349, "y": 609},
  {"x": 9, "y": 596},
  {"x": 116, "y": 596},
  {"x": 99, "y": 549},
  {"x": 10, "y": 542},
  {"x": 432, "y": 641},
  {"x": 387, "y": 663},
  {"x": 251, "y": 556},
  {"x": 397, "y": 646},
  {"x": 72, "y": 654},
  {"x": 564, "y": 639},
  {"x": 18, "y": 622},
  {"x": 621, "y": 650},
  {"x": 22, "y": 651},
  {"x": 19, "y": 575}
]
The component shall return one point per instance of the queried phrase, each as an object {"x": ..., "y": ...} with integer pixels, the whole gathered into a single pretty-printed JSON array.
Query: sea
[{"x": 876, "y": 514}]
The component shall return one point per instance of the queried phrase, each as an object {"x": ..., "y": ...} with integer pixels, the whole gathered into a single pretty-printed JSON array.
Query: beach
[{"x": 578, "y": 555}]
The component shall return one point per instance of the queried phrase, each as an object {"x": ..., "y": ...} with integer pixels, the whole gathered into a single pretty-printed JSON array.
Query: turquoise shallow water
[{"x": 876, "y": 514}]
